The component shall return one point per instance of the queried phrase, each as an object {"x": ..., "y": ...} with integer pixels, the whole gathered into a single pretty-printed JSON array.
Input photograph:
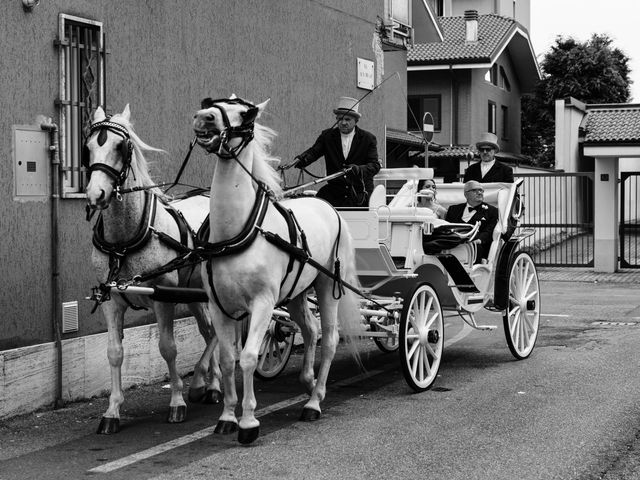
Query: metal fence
[
  {"x": 629, "y": 227},
  {"x": 559, "y": 206}
]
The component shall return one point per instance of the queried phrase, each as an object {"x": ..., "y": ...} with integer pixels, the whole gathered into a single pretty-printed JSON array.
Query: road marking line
[
  {"x": 193, "y": 437},
  {"x": 179, "y": 442}
]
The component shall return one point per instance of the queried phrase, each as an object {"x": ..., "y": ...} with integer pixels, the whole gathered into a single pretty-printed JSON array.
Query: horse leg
[
  {"x": 205, "y": 384},
  {"x": 301, "y": 314},
  {"x": 114, "y": 315},
  {"x": 226, "y": 332},
  {"x": 329, "y": 318},
  {"x": 260, "y": 318},
  {"x": 167, "y": 346}
]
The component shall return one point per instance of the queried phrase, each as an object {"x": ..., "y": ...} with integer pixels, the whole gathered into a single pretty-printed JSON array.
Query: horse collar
[
  {"x": 246, "y": 236},
  {"x": 135, "y": 243}
]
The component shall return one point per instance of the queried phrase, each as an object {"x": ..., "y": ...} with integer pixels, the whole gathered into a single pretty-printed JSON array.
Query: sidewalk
[{"x": 571, "y": 274}]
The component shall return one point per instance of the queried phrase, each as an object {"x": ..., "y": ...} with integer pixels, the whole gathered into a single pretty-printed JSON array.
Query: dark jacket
[
  {"x": 498, "y": 173},
  {"x": 488, "y": 218},
  {"x": 354, "y": 189}
]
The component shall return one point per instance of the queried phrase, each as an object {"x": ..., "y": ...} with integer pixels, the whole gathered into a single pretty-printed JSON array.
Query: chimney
[{"x": 471, "y": 24}]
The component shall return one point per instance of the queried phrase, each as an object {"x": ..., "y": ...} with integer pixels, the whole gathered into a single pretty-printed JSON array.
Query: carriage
[
  {"x": 407, "y": 293},
  {"x": 262, "y": 253}
]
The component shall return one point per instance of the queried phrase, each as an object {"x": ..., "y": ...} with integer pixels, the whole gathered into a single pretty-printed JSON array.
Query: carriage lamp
[{"x": 29, "y": 5}]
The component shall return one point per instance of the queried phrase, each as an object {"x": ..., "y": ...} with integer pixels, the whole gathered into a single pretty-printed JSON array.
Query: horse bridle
[
  {"x": 244, "y": 131},
  {"x": 126, "y": 148}
]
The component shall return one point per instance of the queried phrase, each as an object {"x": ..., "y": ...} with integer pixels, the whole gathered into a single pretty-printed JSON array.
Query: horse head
[
  {"x": 107, "y": 156},
  {"x": 225, "y": 126}
]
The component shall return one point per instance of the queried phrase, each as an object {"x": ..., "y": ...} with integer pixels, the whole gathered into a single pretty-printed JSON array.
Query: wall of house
[
  {"x": 394, "y": 92},
  {"x": 164, "y": 58},
  {"x": 423, "y": 27}
]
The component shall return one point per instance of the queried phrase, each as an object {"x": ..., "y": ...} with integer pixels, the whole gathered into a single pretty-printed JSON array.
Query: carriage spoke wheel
[
  {"x": 387, "y": 344},
  {"x": 522, "y": 317},
  {"x": 275, "y": 349},
  {"x": 421, "y": 337}
]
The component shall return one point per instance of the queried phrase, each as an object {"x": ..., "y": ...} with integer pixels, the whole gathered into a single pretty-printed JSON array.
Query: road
[{"x": 570, "y": 411}]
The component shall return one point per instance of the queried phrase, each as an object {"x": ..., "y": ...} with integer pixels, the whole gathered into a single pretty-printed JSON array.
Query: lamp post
[{"x": 427, "y": 134}]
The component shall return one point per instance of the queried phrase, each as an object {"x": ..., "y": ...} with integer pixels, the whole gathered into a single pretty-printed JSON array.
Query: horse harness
[
  {"x": 247, "y": 236},
  {"x": 117, "y": 252}
]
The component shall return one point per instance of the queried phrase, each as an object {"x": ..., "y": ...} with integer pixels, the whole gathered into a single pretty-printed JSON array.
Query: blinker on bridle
[
  {"x": 244, "y": 131},
  {"x": 118, "y": 177}
]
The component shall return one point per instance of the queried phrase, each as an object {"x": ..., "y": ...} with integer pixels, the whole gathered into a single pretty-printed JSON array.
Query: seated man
[{"x": 476, "y": 210}]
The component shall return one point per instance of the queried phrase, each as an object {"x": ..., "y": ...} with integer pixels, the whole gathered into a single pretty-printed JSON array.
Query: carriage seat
[{"x": 498, "y": 194}]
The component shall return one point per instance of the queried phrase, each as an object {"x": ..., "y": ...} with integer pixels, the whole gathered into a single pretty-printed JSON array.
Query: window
[
  {"x": 505, "y": 122},
  {"x": 491, "y": 117},
  {"x": 439, "y": 7},
  {"x": 418, "y": 106},
  {"x": 504, "y": 81},
  {"x": 400, "y": 15},
  {"x": 492, "y": 75},
  {"x": 82, "y": 82}
]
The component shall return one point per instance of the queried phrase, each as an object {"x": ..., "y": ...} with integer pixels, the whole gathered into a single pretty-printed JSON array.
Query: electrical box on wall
[{"x": 30, "y": 161}]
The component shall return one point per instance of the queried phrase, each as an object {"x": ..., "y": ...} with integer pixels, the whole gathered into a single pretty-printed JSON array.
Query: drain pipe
[{"x": 52, "y": 128}]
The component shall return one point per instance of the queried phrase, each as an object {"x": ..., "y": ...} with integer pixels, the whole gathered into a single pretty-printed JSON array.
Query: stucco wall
[{"x": 164, "y": 58}]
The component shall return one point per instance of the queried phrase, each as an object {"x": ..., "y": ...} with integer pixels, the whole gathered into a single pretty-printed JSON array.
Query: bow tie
[{"x": 476, "y": 208}]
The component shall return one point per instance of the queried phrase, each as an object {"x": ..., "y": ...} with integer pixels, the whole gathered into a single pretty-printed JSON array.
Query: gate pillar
[{"x": 605, "y": 218}]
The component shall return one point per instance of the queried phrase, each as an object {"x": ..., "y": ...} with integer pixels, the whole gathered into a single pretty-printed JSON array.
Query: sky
[{"x": 581, "y": 18}]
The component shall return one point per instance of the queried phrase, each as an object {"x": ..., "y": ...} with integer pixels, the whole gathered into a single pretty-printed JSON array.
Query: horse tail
[{"x": 348, "y": 306}]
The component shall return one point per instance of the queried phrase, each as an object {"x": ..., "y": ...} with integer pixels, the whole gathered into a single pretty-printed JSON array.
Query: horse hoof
[
  {"x": 212, "y": 397},
  {"x": 309, "y": 415},
  {"x": 108, "y": 426},
  {"x": 248, "y": 435},
  {"x": 197, "y": 395},
  {"x": 177, "y": 414},
  {"x": 225, "y": 427}
]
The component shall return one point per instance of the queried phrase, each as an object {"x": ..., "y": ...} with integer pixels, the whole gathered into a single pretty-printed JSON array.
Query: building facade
[{"x": 63, "y": 58}]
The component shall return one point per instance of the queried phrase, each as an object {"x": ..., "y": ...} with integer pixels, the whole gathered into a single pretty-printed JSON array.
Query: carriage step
[{"x": 486, "y": 327}]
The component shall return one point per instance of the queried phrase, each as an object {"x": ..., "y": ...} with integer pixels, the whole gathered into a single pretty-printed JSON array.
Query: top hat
[
  {"x": 489, "y": 140},
  {"x": 347, "y": 106}
]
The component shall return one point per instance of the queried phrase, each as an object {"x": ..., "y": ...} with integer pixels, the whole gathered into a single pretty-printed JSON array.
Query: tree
[{"x": 592, "y": 72}]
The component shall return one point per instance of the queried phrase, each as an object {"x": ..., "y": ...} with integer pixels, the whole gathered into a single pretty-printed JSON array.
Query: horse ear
[
  {"x": 99, "y": 115},
  {"x": 261, "y": 106},
  {"x": 126, "y": 113}
]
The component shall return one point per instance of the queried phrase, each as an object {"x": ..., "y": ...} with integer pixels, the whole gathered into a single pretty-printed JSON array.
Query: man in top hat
[
  {"x": 488, "y": 169},
  {"x": 476, "y": 210},
  {"x": 345, "y": 145}
]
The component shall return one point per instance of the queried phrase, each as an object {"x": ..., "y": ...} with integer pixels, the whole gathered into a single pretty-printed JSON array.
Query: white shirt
[
  {"x": 486, "y": 166},
  {"x": 346, "y": 142},
  {"x": 466, "y": 215}
]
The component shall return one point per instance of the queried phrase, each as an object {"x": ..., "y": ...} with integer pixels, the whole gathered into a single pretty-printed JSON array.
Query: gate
[
  {"x": 559, "y": 206},
  {"x": 629, "y": 226}
]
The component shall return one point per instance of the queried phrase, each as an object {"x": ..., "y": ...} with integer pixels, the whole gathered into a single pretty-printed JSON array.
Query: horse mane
[
  {"x": 139, "y": 164},
  {"x": 263, "y": 161}
]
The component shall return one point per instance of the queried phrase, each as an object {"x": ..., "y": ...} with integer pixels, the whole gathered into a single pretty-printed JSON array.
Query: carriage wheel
[
  {"x": 522, "y": 317},
  {"x": 276, "y": 348},
  {"x": 387, "y": 344},
  {"x": 421, "y": 337}
]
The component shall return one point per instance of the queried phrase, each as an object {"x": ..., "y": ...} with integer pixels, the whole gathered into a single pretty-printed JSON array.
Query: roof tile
[
  {"x": 492, "y": 29},
  {"x": 611, "y": 124}
]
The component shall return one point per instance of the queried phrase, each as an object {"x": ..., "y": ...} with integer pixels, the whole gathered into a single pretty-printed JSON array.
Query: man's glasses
[
  {"x": 475, "y": 190},
  {"x": 486, "y": 149}
]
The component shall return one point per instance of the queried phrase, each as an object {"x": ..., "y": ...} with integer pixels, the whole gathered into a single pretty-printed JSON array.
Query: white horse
[
  {"x": 127, "y": 242},
  {"x": 249, "y": 276}
]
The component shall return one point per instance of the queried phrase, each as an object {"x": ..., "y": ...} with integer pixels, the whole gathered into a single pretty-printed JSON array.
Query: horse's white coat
[
  {"x": 250, "y": 281},
  {"x": 121, "y": 220}
]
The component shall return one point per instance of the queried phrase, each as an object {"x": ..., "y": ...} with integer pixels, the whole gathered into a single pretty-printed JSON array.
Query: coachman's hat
[
  {"x": 348, "y": 106},
  {"x": 488, "y": 140}
]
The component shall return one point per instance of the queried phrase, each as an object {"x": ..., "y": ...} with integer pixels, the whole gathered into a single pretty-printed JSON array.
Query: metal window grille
[{"x": 82, "y": 58}]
